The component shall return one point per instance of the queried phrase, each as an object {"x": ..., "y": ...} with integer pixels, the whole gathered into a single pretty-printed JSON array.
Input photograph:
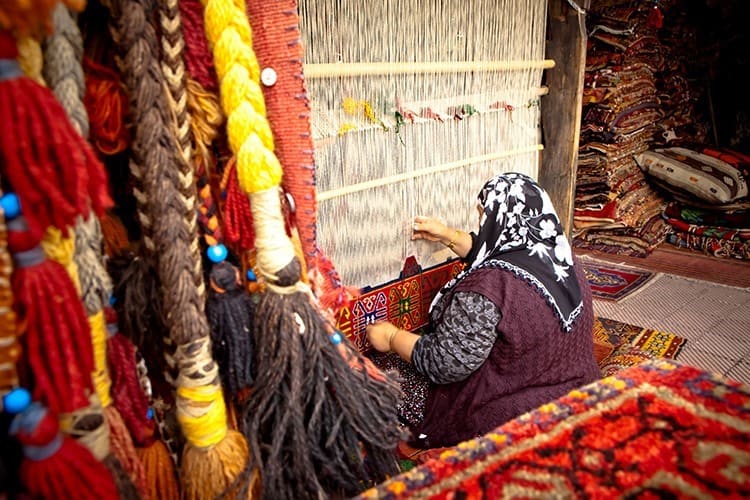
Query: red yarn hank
[
  {"x": 238, "y": 219},
  {"x": 107, "y": 106},
  {"x": 127, "y": 395},
  {"x": 70, "y": 472},
  {"x": 198, "y": 57},
  {"x": 57, "y": 341},
  {"x": 53, "y": 170}
]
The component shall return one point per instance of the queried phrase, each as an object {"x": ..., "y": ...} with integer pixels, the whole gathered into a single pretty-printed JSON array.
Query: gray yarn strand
[{"x": 63, "y": 71}]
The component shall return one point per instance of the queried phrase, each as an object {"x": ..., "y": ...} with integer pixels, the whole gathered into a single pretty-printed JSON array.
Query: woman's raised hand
[{"x": 429, "y": 228}]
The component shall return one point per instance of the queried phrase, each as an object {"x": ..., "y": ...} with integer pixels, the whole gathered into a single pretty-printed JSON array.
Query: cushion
[
  {"x": 703, "y": 176},
  {"x": 623, "y": 356}
]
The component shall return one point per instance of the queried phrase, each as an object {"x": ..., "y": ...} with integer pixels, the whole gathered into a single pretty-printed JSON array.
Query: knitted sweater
[{"x": 532, "y": 362}]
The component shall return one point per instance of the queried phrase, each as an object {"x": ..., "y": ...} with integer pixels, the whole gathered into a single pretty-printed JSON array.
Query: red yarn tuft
[
  {"x": 121, "y": 446},
  {"x": 126, "y": 391},
  {"x": 238, "y": 218},
  {"x": 57, "y": 341},
  {"x": 198, "y": 57},
  {"x": 107, "y": 106},
  {"x": 70, "y": 472},
  {"x": 54, "y": 171}
]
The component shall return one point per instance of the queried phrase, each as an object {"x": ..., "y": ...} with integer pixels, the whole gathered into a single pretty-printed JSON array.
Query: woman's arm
[
  {"x": 429, "y": 228},
  {"x": 461, "y": 342},
  {"x": 385, "y": 337},
  {"x": 456, "y": 349}
]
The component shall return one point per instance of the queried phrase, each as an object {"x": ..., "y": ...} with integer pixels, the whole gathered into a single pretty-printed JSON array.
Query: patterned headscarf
[{"x": 520, "y": 231}]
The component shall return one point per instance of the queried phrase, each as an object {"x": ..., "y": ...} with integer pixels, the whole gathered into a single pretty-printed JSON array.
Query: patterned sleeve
[{"x": 461, "y": 342}]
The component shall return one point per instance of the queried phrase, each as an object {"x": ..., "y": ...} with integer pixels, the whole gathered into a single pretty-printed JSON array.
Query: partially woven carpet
[{"x": 659, "y": 429}]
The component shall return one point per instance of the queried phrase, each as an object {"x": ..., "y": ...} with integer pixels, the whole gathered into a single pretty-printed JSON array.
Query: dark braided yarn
[
  {"x": 315, "y": 423},
  {"x": 230, "y": 314}
]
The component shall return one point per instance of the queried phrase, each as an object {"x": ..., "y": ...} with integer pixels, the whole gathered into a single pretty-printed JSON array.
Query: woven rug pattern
[
  {"x": 613, "y": 282},
  {"x": 660, "y": 430}
]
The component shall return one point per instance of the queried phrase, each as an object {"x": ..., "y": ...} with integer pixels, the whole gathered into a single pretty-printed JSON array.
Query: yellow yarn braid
[{"x": 248, "y": 129}]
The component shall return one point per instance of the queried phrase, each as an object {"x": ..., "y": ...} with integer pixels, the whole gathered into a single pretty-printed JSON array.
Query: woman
[{"x": 512, "y": 331}]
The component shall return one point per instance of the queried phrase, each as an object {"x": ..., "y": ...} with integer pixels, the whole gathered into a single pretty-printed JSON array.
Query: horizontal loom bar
[
  {"x": 330, "y": 70},
  {"x": 384, "y": 181}
]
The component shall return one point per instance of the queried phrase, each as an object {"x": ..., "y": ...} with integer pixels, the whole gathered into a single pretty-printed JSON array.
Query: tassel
[
  {"x": 214, "y": 456},
  {"x": 127, "y": 394},
  {"x": 230, "y": 314},
  {"x": 161, "y": 478},
  {"x": 57, "y": 343},
  {"x": 52, "y": 169},
  {"x": 55, "y": 466},
  {"x": 314, "y": 424}
]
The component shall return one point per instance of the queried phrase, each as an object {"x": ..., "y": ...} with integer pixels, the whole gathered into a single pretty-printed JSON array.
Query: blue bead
[
  {"x": 217, "y": 253},
  {"x": 251, "y": 275},
  {"x": 11, "y": 205},
  {"x": 16, "y": 400},
  {"x": 150, "y": 413},
  {"x": 112, "y": 300},
  {"x": 336, "y": 338}
]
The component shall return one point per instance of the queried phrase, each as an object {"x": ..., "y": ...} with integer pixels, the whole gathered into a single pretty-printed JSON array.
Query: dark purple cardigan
[{"x": 532, "y": 362}]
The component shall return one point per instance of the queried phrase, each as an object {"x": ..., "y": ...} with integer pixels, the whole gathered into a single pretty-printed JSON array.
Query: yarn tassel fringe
[
  {"x": 56, "y": 466},
  {"x": 161, "y": 477},
  {"x": 54, "y": 171}
]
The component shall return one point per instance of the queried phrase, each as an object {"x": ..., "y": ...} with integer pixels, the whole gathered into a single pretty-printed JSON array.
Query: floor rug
[
  {"x": 612, "y": 282},
  {"x": 611, "y": 334},
  {"x": 660, "y": 430}
]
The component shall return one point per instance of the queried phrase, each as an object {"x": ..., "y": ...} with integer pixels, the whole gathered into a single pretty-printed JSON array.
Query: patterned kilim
[
  {"x": 404, "y": 302},
  {"x": 612, "y": 282},
  {"x": 659, "y": 430},
  {"x": 619, "y": 345}
]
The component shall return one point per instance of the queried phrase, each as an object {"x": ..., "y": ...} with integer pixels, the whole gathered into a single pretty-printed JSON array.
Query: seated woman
[{"x": 512, "y": 331}]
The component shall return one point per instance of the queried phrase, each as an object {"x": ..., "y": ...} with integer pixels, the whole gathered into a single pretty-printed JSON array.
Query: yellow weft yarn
[
  {"x": 100, "y": 377},
  {"x": 203, "y": 414},
  {"x": 61, "y": 250},
  {"x": 249, "y": 132}
]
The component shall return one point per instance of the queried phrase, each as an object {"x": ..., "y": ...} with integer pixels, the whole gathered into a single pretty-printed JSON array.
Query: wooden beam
[{"x": 562, "y": 108}]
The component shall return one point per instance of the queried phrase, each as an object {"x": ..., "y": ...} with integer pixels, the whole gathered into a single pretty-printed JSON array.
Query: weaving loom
[{"x": 414, "y": 105}]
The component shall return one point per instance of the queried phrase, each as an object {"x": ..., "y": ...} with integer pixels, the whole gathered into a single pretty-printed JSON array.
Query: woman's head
[{"x": 517, "y": 214}]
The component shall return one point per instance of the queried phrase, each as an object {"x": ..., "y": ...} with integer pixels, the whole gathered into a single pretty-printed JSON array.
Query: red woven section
[{"x": 277, "y": 44}]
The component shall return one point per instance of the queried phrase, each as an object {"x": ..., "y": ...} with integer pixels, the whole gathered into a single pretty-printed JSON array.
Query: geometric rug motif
[
  {"x": 405, "y": 302},
  {"x": 612, "y": 282},
  {"x": 657, "y": 430},
  {"x": 619, "y": 345}
]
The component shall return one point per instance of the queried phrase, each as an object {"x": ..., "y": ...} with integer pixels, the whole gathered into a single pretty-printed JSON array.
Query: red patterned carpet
[
  {"x": 613, "y": 282},
  {"x": 658, "y": 430}
]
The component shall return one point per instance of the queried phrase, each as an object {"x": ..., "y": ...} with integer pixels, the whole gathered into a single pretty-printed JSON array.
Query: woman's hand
[
  {"x": 380, "y": 334},
  {"x": 429, "y": 228}
]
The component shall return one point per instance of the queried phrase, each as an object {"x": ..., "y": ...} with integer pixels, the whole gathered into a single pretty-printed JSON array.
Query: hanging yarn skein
[
  {"x": 317, "y": 426},
  {"x": 214, "y": 456}
]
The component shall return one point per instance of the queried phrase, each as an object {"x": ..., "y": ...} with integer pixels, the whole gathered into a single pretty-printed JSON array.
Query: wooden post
[{"x": 561, "y": 109}]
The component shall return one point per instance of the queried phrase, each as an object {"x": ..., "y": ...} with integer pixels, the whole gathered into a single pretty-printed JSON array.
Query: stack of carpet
[
  {"x": 616, "y": 210},
  {"x": 710, "y": 208}
]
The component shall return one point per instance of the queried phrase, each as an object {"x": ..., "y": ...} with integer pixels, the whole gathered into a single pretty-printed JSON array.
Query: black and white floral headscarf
[{"x": 520, "y": 231}]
